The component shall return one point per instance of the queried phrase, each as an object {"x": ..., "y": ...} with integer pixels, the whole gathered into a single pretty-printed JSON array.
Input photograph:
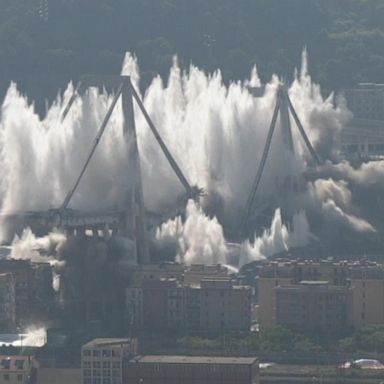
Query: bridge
[
  {"x": 133, "y": 221},
  {"x": 130, "y": 221}
]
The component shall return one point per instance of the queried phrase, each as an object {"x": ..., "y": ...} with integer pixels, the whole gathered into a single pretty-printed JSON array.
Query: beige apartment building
[
  {"x": 357, "y": 287},
  {"x": 224, "y": 307},
  {"x": 102, "y": 360},
  {"x": 33, "y": 288},
  {"x": 17, "y": 369},
  {"x": 313, "y": 306},
  {"x": 215, "y": 305},
  {"x": 367, "y": 284},
  {"x": 364, "y": 135}
]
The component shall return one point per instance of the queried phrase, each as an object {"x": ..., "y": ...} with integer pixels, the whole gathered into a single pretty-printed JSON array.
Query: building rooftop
[
  {"x": 106, "y": 342},
  {"x": 314, "y": 282},
  {"x": 152, "y": 359}
]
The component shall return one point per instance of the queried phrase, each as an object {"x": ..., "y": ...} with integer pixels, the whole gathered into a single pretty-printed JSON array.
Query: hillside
[{"x": 44, "y": 43}]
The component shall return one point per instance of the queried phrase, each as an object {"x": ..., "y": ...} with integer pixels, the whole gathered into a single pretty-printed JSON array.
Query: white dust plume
[
  {"x": 37, "y": 249},
  {"x": 278, "y": 238},
  {"x": 200, "y": 239}
]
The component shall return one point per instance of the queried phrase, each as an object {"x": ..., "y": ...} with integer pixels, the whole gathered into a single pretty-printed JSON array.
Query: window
[
  {"x": 6, "y": 377},
  {"x": 96, "y": 353},
  {"x": 106, "y": 353},
  {"x": 106, "y": 380},
  {"x": 96, "y": 380},
  {"x": 116, "y": 353},
  {"x": 96, "y": 364},
  {"x": 86, "y": 352},
  {"x": 6, "y": 363},
  {"x": 97, "y": 372},
  {"x": 87, "y": 372},
  {"x": 106, "y": 365},
  {"x": 86, "y": 364},
  {"x": 19, "y": 364},
  {"x": 116, "y": 365},
  {"x": 19, "y": 377},
  {"x": 116, "y": 373},
  {"x": 106, "y": 372}
]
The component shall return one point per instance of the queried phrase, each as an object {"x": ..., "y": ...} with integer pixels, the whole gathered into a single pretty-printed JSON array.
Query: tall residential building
[
  {"x": 7, "y": 303},
  {"x": 17, "y": 369},
  {"x": 366, "y": 101},
  {"x": 313, "y": 306},
  {"x": 367, "y": 284},
  {"x": 224, "y": 307},
  {"x": 33, "y": 288},
  {"x": 213, "y": 306},
  {"x": 356, "y": 286},
  {"x": 364, "y": 135},
  {"x": 102, "y": 360},
  {"x": 287, "y": 273}
]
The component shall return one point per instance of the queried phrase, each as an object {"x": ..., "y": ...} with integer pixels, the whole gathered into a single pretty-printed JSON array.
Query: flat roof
[
  {"x": 106, "y": 341},
  {"x": 158, "y": 359},
  {"x": 314, "y": 282}
]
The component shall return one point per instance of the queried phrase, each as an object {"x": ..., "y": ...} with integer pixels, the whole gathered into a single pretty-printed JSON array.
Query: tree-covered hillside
[{"x": 43, "y": 43}]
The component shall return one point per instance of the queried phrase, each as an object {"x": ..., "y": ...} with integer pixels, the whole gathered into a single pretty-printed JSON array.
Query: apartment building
[
  {"x": 367, "y": 285},
  {"x": 366, "y": 101},
  {"x": 7, "y": 303},
  {"x": 33, "y": 288},
  {"x": 286, "y": 273},
  {"x": 213, "y": 306},
  {"x": 191, "y": 370},
  {"x": 364, "y": 135},
  {"x": 224, "y": 307},
  {"x": 102, "y": 360},
  {"x": 357, "y": 288},
  {"x": 313, "y": 306},
  {"x": 17, "y": 369}
]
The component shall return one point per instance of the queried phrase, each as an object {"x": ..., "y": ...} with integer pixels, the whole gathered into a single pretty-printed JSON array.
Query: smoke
[
  {"x": 200, "y": 239},
  {"x": 216, "y": 133},
  {"x": 278, "y": 238},
  {"x": 44, "y": 249},
  {"x": 323, "y": 118},
  {"x": 37, "y": 249},
  {"x": 332, "y": 199},
  {"x": 32, "y": 337},
  {"x": 366, "y": 175}
]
